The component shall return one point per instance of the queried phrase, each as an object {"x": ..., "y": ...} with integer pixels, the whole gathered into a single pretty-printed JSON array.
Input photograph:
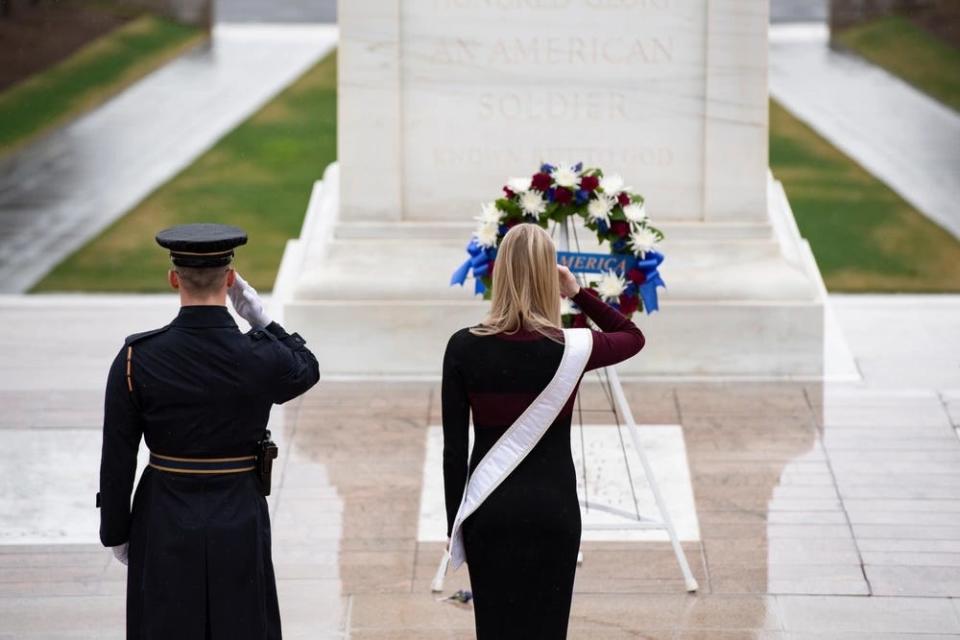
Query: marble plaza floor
[{"x": 819, "y": 510}]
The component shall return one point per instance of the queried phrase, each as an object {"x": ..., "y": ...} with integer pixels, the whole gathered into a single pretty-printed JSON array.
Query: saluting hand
[
  {"x": 569, "y": 286},
  {"x": 248, "y": 303}
]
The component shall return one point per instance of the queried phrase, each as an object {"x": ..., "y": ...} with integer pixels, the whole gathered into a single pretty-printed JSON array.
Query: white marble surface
[
  {"x": 890, "y": 440},
  {"x": 405, "y": 338},
  {"x": 605, "y": 482},
  {"x": 444, "y": 100},
  {"x": 50, "y": 489},
  {"x": 905, "y": 341},
  {"x": 744, "y": 300},
  {"x": 67, "y": 342},
  {"x": 368, "y": 114},
  {"x": 460, "y": 94}
]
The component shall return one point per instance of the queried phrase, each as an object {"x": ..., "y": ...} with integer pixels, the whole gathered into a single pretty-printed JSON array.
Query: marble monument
[{"x": 440, "y": 101}]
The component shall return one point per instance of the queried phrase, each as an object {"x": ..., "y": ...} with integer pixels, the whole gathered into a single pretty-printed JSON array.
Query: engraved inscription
[
  {"x": 456, "y": 51},
  {"x": 637, "y": 156},
  {"x": 553, "y": 105},
  {"x": 493, "y": 87},
  {"x": 446, "y": 158},
  {"x": 552, "y": 5},
  {"x": 570, "y": 51}
]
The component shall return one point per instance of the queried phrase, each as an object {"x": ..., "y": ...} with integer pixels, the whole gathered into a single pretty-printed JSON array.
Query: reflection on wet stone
[
  {"x": 749, "y": 502},
  {"x": 789, "y": 509}
]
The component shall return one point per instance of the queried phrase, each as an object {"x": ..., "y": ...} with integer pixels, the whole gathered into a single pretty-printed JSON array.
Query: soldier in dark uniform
[{"x": 199, "y": 391}]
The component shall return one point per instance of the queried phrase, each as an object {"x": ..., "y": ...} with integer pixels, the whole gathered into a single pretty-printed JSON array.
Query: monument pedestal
[
  {"x": 441, "y": 101},
  {"x": 373, "y": 299}
]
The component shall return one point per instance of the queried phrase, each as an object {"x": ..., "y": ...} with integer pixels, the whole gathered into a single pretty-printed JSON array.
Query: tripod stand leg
[
  {"x": 627, "y": 415},
  {"x": 624, "y": 408}
]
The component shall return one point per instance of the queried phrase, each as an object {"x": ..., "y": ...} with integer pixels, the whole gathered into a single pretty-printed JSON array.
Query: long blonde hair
[{"x": 526, "y": 289}]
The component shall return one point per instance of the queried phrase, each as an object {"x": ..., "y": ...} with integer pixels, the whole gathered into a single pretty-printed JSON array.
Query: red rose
[
  {"x": 540, "y": 181},
  {"x": 589, "y": 183},
  {"x": 579, "y": 321},
  {"x": 562, "y": 195},
  {"x": 508, "y": 192},
  {"x": 628, "y": 304},
  {"x": 490, "y": 268},
  {"x": 512, "y": 223},
  {"x": 620, "y": 227},
  {"x": 637, "y": 276},
  {"x": 623, "y": 199}
]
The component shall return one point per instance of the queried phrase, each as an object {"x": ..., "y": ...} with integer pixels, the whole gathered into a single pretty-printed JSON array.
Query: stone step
[
  {"x": 393, "y": 268},
  {"x": 692, "y": 231}
]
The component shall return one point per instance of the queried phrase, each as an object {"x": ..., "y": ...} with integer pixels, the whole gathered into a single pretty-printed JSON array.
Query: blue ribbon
[
  {"x": 478, "y": 262},
  {"x": 648, "y": 290}
]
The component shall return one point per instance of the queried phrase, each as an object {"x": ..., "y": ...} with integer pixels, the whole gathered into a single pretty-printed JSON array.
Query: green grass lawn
[
  {"x": 864, "y": 236},
  {"x": 258, "y": 177},
  {"x": 908, "y": 51},
  {"x": 89, "y": 77}
]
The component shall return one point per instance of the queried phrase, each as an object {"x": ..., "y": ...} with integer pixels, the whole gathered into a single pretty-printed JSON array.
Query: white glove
[
  {"x": 122, "y": 553},
  {"x": 247, "y": 303}
]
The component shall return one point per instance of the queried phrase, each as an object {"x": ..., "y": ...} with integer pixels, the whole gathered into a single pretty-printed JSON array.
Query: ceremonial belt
[
  {"x": 203, "y": 465},
  {"x": 523, "y": 435}
]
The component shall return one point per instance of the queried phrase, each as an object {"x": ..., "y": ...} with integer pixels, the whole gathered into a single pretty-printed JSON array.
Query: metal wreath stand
[{"x": 620, "y": 408}]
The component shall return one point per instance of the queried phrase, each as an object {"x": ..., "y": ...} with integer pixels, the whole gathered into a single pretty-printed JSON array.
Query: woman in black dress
[{"x": 521, "y": 543}]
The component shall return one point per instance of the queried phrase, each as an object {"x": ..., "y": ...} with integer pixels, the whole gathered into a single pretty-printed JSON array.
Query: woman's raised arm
[{"x": 618, "y": 339}]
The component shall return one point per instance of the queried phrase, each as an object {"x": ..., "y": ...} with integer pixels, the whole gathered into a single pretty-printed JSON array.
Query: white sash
[{"x": 517, "y": 441}]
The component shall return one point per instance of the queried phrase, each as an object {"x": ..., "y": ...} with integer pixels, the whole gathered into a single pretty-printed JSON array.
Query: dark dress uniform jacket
[{"x": 200, "y": 563}]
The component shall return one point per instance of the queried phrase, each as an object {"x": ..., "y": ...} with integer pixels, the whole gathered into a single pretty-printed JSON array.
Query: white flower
[
  {"x": 565, "y": 176},
  {"x": 518, "y": 185},
  {"x": 635, "y": 212},
  {"x": 567, "y": 307},
  {"x": 642, "y": 240},
  {"x": 489, "y": 214},
  {"x": 600, "y": 208},
  {"x": 487, "y": 234},
  {"x": 532, "y": 203},
  {"x": 612, "y": 184},
  {"x": 610, "y": 286}
]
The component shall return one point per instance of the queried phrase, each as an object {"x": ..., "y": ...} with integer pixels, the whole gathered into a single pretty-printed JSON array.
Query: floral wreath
[{"x": 554, "y": 194}]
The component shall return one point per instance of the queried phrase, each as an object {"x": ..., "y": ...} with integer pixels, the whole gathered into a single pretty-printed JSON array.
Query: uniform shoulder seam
[
  {"x": 261, "y": 334},
  {"x": 137, "y": 337}
]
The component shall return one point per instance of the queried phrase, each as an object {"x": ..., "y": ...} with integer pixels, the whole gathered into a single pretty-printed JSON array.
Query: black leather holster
[{"x": 266, "y": 453}]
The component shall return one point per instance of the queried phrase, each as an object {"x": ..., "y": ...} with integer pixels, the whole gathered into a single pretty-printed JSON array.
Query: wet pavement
[
  {"x": 276, "y": 11},
  {"x": 64, "y": 190},
  {"x": 820, "y": 510},
  {"x": 799, "y": 10},
  {"x": 903, "y": 137}
]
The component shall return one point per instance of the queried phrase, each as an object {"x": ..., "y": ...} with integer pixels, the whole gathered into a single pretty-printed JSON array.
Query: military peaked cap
[{"x": 201, "y": 245}]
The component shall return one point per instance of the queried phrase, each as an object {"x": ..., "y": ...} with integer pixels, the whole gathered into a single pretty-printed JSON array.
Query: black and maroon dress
[{"x": 522, "y": 542}]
